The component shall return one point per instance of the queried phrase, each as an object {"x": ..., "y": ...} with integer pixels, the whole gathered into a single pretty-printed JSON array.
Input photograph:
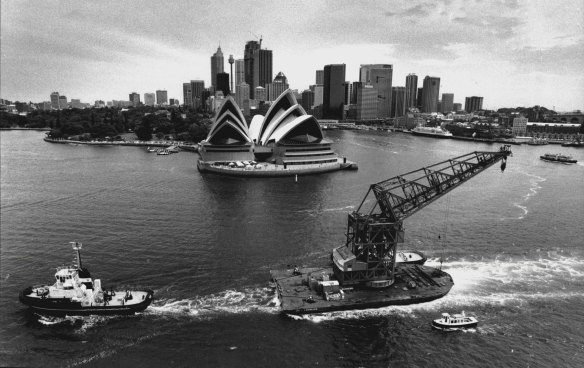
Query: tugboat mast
[{"x": 77, "y": 247}]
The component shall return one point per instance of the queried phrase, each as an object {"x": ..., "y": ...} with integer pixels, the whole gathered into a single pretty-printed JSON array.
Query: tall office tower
[
  {"x": 318, "y": 94},
  {"x": 307, "y": 100},
  {"x": 367, "y": 101},
  {"x": 55, "y": 100},
  {"x": 262, "y": 67},
  {"x": 231, "y": 61},
  {"x": 320, "y": 77},
  {"x": 239, "y": 72},
  {"x": 379, "y": 76},
  {"x": 248, "y": 62},
  {"x": 456, "y": 107},
  {"x": 197, "y": 88},
  {"x": 277, "y": 87},
  {"x": 205, "y": 96},
  {"x": 187, "y": 95},
  {"x": 411, "y": 90},
  {"x": 334, "y": 91},
  {"x": 419, "y": 99},
  {"x": 242, "y": 94},
  {"x": 398, "y": 101},
  {"x": 216, "y": 66},
  {"x": 134, "y": 99},
  {"x": 63, "y": 102},
  {"x": 447, "y": 102},
  {"x": 223, "y": 84},
  {"x": 348, "y": 93},
  {"x": 161, "y": 97},
  {"x": 149, "y": 99},
  {"x": 173, "y": 101},
  {"x": 473, "y": 104},
  {"x": 261, "y": 94},
  {"x": 430, "y": 94}
]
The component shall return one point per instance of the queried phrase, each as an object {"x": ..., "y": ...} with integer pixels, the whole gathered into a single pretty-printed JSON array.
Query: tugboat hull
[
  {"x": 68, "y": 307},
  {"x": 413, "y": 284}
]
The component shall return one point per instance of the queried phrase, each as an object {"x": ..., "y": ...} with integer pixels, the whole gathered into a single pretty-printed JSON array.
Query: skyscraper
[
  {"x": 473, "y": 104},
  {"x": 262, "y": 67},
  {"x": 380, "y": 77},
  {"x": 411, "y": 90},
  {"x": 447, "y": 102},
  {"x": 187, "y": 95},
  {"x": 223, "y": 84},
  {"x": 242, "y": 95},
  {"x": 134, "y": 99},
  {"x": 367, "y": 101},
  {"x": 216, "y": 66},
  {"x": 149, "y": 99},
  {"x": 161, "y": 97},
  {"x": 55, "y": 100},
  {"x": 277, "y": 87},
  {"x": 239, "y": 72},
  {"x": 320, "y": 77},
  {"x": 419, "y": 98},
  {"x": 398, "y": 99},
  {"x": 349, "y": 93},
  {"x": 334, "y": 91},
  {"x": 430, "y": 94},
  {"x": 197, "y": 88},
  {"x": 307, "y": 100}
]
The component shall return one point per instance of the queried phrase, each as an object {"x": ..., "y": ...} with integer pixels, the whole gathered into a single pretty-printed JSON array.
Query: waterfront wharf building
[{"x": 286, "y": 135}]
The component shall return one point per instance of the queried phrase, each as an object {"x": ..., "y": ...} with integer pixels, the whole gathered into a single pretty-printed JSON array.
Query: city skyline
[{"x": 513, "y": 53}]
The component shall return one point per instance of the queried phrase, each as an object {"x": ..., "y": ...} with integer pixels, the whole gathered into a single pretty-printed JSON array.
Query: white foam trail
[
  {"x": 229, "y": 301},
  {"x": 531, "y": 191}
]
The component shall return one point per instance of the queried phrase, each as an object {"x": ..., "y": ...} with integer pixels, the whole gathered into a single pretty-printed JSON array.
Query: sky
[{"x": 510, "y": 52}]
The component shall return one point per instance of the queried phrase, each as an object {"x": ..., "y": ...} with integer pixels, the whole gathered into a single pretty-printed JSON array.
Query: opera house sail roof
[{"x": 274, "y": 138}]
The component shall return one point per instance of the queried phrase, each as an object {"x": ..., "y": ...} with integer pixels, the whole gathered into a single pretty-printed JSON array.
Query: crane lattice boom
[{"x": 372, "y": 236}]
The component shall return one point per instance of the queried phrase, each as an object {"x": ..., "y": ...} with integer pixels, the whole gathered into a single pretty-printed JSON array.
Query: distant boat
[
  {"x": 558, "y": 158},
  {"x": 573, "y": 144},
  {"x": 454, "y": 322},
  {"x": 149, "y": 149},
  {"x": 436, "y": 132},
  {"x": 163, "y": 151},
  {"x": 537, "y": 142}
]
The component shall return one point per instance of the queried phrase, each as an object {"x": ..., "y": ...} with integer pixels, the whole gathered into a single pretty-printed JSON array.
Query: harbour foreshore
[{"x": 182, "y": 145}]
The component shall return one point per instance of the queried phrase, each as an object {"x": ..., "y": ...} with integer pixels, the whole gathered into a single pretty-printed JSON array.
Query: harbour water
[{"x": 513, "y": 242}]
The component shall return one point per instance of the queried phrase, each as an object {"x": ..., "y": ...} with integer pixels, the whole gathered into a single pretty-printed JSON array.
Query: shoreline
[{"x": 182, "y": 145}]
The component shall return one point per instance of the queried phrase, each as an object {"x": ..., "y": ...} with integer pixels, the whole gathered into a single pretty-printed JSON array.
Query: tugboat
[
  {"x": 76, "y": 293},
  {"x": 411, "y": 257},
  {"x": 454, "y": 322},
  {"x": 367, "y": 271}
]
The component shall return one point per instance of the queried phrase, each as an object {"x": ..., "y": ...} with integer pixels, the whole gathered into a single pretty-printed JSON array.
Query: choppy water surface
[{"x": 512, "y": 241}]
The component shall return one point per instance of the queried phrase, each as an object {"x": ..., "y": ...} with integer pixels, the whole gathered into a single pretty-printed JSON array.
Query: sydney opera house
[{"x": 286, "y": 141}]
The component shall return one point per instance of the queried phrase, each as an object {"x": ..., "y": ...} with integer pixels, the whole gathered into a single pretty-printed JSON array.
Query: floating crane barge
[{"x": 364, "y": 272}]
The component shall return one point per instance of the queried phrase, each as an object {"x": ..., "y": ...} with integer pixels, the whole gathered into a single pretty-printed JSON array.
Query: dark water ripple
[{"x": 512, "y": 242}]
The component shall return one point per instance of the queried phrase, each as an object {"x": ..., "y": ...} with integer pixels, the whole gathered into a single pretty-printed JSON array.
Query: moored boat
[
  {"x": 436, "y": 132},
  {"x": 411, "y": 257},
  {"x": 454, "y": 322},
  {"x": 556, "y": 157},
  {"x": 537, "y": 142},
  {"x": 76, "y": 293}
]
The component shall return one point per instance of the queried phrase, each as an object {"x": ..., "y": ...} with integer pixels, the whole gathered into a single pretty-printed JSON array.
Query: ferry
[
  {"x": 454, "y": 322},
  {"x": 76, "y": 293},
  {"x": 558, "y": 158},
  {"x": 436, "y": 132}
]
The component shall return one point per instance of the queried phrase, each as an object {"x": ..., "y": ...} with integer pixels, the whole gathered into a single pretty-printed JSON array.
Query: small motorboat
[
  {"x": 410, "y": 257},
  {"x": 454, "y": 322},
  {"x": 149, "y": 149},
  {"x": 163, "y": 152},
  {"x": 75, "y": 293}
]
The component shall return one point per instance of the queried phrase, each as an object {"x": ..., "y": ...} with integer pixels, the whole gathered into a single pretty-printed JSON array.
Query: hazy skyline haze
[{"x": 512, "y": 53}]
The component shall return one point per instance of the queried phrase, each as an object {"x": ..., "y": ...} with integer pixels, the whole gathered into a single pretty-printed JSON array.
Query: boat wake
[
  {"x": 228, "y": 301},
  {"x": 531, "y": 192}
]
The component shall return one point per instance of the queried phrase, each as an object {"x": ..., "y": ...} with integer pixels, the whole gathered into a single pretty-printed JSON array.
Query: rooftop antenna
[{"x": 77, "y": 247}]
